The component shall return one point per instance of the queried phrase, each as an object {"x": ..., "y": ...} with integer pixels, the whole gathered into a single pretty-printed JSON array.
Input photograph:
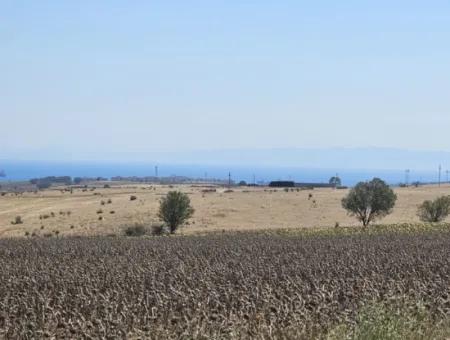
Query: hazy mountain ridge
[{"x": 325, "y": 158}]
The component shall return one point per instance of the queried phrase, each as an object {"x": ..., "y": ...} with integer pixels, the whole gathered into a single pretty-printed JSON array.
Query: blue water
[{"x": 25, "y": 170}]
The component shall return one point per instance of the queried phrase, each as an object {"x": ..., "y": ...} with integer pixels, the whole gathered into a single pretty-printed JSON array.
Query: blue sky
[{"x": 82, "y": 77}]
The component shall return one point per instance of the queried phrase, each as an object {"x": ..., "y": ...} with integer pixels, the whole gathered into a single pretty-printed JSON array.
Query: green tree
[
  {"x": 369, "y": 201},
  {"x": 175, "y": 209},
  {"x": 336, "y": 181},
  {"x": 434, "y": 211}
]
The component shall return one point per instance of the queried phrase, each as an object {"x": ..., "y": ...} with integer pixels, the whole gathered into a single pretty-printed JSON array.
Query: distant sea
[{"x": 25, "y": 170}]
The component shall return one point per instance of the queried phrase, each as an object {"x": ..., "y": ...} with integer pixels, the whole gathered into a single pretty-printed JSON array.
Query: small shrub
[
  {"x": 310, "y": 196},
  {"x": 112, "y": 212},
  {"x": 102, "y": 202},
  {"x": 159, "y": 229},
  {"x": 106, "y": 186},
  {"x": 27, "y": 233},
  {"x": 286, "y": 189},
  {"x": 17, "y": 220},
  {"x": 99, "y": 211},
  {"x": 434, "y": 211},
  {"x": 100, "y": 218},
  {"x": 52, "y": 214},
  {"x": 48, "y": 235},
  {"x": 135, "y": 230},
  {"x": 133, "y": 198},
  {"x": 109, "y": 201},
  {"x": 72, "y": 227}
]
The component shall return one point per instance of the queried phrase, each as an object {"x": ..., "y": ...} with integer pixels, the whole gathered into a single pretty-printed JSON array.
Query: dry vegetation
[
  {"x": 238, "y": 285},
  {"x": 216, "y": 210}
]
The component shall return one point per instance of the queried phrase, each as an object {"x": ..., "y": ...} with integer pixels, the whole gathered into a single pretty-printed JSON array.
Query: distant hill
[
  {"x": 325, "y": 158},
  {"x": 342, "y": 158}
]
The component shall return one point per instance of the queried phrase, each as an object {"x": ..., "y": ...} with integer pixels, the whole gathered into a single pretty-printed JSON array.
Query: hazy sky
[{"x": 96, "y": 76}]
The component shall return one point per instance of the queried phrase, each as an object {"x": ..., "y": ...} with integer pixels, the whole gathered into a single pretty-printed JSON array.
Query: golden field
[{"x": 82, "y": 213}]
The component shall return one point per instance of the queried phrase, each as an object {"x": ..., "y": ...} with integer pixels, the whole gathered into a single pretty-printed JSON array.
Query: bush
[
  {"x": 133, "y": 198},
  {"x": 434, "y": 211},
  {"x": 17, "y": 220},
  {"x": 135, "y": 230},
  {"x": 175, "y": 209},
  {"x": 369, "y": 201},
  {"x": 158, "y": 229}
]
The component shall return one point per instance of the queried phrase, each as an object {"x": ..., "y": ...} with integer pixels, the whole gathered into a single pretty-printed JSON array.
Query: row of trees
[{"x": 369, "y": 201}]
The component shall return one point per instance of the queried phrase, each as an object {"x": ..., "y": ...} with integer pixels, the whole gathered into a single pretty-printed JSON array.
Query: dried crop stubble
[{"x": 244, "y": 285}]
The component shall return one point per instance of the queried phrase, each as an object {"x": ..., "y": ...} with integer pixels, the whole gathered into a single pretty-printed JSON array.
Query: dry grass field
[{"x": 82, "y": 212}]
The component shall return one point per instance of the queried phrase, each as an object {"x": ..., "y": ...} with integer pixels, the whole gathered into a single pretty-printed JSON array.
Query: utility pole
[
  {"x": 440, "y": 169},
  {"x": 254, "y": 179},
  {"x": 156, "y": 171},
  {"x": 407, "y": 171},
  {"x": 229, "y": 180},
  {"x": 446, "y": 172}
]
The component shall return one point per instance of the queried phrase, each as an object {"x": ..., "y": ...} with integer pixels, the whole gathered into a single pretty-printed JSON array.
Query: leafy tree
[
  {"x": 369, "y": 201},
  {"x": 175, "y": 209},
  {"x": 336, "y": 181},
  {"x": 434, "y": 211}
]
